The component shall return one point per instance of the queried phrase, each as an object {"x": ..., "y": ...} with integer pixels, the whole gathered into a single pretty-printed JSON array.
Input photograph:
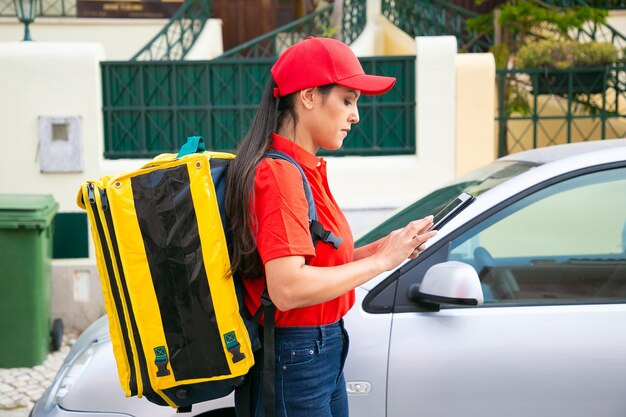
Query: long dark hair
[
  {"x": 270, "y": 116},
  {"x": 245, "y": 259}
]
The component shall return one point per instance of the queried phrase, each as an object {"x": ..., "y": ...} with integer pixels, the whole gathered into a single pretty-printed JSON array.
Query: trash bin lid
[{"x": 27, "y": 211}]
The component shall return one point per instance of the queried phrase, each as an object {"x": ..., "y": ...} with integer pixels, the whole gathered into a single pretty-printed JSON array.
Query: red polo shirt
[{"x": 281, "y": 211}]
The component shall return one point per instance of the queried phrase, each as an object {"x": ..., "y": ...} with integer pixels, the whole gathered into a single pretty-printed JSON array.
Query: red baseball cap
[{"x": 314, "y": 62}]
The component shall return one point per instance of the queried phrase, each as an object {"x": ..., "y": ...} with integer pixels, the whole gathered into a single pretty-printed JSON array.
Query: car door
[{"x": 550, "y": 339}]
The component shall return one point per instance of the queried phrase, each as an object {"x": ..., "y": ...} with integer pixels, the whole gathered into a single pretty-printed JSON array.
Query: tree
[{"x": 514, "y": 22}]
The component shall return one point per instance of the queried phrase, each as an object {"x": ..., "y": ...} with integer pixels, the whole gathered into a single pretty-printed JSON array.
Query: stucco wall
[
  {"x": 454, "y": 123},
  {"x": 63, "y": 79},
  {"x": 396, "y": 41},
  {"x": 475, "y": 104},
  {"x": 371, "y": 41},
  {"x": 210, "y": 43},
  {"x": 617, "y": 19},
  {"x": 48, "y": 79},
  {"x": 120, "y": 38},
  {"x": 53, "y": 79}
]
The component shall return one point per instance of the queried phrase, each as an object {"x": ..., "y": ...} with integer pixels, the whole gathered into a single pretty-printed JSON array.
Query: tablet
[{"x": 452, "y": 209}]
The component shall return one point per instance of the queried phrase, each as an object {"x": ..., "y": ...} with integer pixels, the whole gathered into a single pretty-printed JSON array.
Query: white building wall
[
  {"x": 63, "y": 79},
  {"x": 617, "y": 19},
  {"x": 53, "y": 79},
  {"x": 48, "y": 79},
  {"x": 436, "y": 110},
  {"x": 371, "y": 41},
  {"x": 369, "y": 187},
  {"x": 475, "y": 109},
  {"x": 120, "y": 38},
  {"x": 209, "y": 43}
]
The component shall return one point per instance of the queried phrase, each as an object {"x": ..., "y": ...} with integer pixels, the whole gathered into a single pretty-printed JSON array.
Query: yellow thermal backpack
[{"x": 179, "y": 330}]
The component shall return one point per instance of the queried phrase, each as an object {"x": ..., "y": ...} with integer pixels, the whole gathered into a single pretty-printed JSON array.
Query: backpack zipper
[{"x": 132, "y": 383}]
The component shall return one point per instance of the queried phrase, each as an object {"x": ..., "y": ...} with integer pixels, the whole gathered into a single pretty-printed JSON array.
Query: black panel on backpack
[{"x": 169, "y": 229}]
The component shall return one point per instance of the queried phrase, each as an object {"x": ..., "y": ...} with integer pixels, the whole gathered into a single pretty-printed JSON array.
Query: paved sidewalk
[
  {"x": 18, "y": 412},
  {"x": 21, "y": 387}
]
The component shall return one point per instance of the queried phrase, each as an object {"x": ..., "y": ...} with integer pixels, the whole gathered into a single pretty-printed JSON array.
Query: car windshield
[{"x": 475, "y": 183}]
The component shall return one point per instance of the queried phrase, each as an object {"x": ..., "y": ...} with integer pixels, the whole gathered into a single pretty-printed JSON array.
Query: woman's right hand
[
  {"x": 292, "y": 283},
  {"x": 404, "y": 243}
]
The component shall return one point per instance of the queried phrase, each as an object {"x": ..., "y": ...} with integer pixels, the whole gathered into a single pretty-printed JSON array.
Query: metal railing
[
  {"x": 598, "y": 4},
  {"x": 151, "y": 107},
  {"x": 175, "y": 40},
  {"x": 45, "y": 8},
  {"x": 562, "y": 106},
  {"x": 485, "y": 6},
  {"x": 439, "y": 17},
  {"x": 435, "y": 18},
  {"x": 319, "y": 23},
  {"x": 273, "y": 43},
  {"x": 549, "y": 107},
  {"x": 353, "y": 19},
  {"x": 596, "y": 31},
  {"x": 601, "y": 33}
]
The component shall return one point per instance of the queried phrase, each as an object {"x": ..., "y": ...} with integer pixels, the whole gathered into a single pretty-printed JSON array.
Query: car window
[
  {"x": 475, "y": 183},
  {"x": 563, "y": 244}
]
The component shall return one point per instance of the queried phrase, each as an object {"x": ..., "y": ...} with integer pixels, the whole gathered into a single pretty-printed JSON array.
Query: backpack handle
[{"x": 195, "y": 144}]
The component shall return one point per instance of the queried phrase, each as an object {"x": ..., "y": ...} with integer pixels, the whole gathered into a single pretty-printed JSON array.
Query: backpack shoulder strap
[
  {"x": 317, "y": 230},
  {"x": 267, "y": 308}
]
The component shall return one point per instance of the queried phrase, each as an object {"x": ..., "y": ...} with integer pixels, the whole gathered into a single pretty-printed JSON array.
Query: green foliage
[
  {"x": 517, "y": 101},
  {"x": 501, "y": 53},
  {"x": 562, "y": 54},
  {"x": 594, "y": 53},
  {"x": 521, "y": 19},
  {"x": 482, "y": 24},
  {"x": 524, "y": 16},
  {"x": 327, "y": 31},
  {"x": 539, "y": 34}
]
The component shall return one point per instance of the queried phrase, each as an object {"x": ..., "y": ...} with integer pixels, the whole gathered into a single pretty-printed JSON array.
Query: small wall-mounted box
[{"x": 61, "y": 145}]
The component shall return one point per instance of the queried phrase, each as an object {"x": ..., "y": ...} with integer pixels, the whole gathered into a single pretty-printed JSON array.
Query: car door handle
[{"x": 358, "y": 387}]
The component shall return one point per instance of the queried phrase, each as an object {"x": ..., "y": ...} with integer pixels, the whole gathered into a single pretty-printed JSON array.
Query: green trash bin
[{"x": 25, "y": 278}]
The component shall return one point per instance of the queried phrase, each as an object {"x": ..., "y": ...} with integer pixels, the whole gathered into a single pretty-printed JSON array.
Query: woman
[{"x": 311, "y": 103}]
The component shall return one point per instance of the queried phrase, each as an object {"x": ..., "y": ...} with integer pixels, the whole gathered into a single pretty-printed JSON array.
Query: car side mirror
[{"x": 450, "y": 282}]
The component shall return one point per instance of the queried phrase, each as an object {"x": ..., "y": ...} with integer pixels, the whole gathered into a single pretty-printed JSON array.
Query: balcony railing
[
  {"x": 561, "y": 106},
  {"x": 601, "y": 33},
  {"x": 175, "y": 40},
  {"x": 45, "y": 8},
  {"x": 439, "y": 17},
  {"x": 598, "y": 4},
  {"x": 319, "y": 23},
  {"x": 354, "y": 17},
  {"x": 435, "y": 18},
  {"x": 273, "y": 43},
  {"x": 151, "y": 107}
]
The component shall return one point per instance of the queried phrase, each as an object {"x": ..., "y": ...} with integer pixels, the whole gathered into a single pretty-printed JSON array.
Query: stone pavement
[{"x": 21, "y": 387}]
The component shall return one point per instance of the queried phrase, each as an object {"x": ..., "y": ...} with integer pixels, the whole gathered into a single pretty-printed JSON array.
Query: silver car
[{"x": 516, "y": 308}]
